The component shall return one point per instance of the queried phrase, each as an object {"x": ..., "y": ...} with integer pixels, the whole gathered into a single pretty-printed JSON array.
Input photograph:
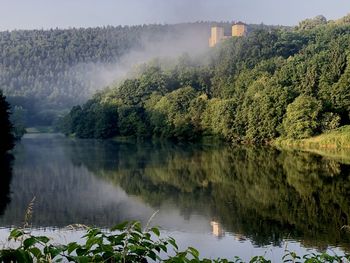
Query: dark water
[{"x": 225, "y": 201}]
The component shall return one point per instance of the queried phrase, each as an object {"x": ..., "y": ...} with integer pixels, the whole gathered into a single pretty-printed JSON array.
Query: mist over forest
[
  {"x": 240, "y": 128},
  {"x": 43, "y": 72},
  {"x": 164, "y": 80},
  {"x": 272, "y": 83}
]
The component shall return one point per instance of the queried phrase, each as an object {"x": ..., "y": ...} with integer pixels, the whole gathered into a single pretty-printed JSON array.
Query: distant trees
[
  {"x": 47, "y": 71},
  {"x": 308, "y": 24}
]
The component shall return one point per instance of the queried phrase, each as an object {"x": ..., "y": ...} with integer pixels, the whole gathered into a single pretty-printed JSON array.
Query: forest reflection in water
[
  {"x": 261, "y": 194},
  {"x": 6, "y": 161}
]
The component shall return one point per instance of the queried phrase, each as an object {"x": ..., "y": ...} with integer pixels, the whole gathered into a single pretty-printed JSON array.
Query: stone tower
[
  {"x": 217, "y": 35},
  {"x": 239, "y": 29}
]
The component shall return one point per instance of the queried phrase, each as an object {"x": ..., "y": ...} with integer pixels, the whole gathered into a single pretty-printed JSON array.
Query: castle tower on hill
[
  {"x": 239, "y": 30},
  {"x": 217, "y": 33}
]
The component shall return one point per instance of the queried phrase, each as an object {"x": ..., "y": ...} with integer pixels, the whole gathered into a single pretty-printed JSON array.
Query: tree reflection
[
  {"x": 263, "y": 194},
  {"x": 5, "y": 181}
]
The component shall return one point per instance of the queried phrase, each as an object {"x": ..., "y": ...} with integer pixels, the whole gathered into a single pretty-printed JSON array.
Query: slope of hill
[
  {"x": 275, "y": 82},
  {"x": 45, "y": 71}
]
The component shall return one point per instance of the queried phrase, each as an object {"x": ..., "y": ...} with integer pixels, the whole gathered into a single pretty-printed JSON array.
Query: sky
[{"x": 44, "y": 14}]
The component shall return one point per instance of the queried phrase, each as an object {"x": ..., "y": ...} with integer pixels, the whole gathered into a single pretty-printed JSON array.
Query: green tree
[
  {"x": 175, "y": 109},
  {"x": 340, "y": 93},
  {"x": 301, "y": 119},
  {"x": 17, "y": 118},
  {"x": 308, "y": 24},
  {"x": 7, "y": 139},
  {"x": 106, "y": 125}
]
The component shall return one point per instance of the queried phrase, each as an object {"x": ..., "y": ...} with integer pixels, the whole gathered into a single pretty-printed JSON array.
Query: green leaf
[
  {"x": 173, "y": 243},
  {"x": 81, "y": 259},
  {"x": 163, "y": 247},
  {"x": 54, "y": 250},
  {"x": 120, "y": 226},
  {"x": 152, "y": 255},
  {"x": 93, "y": 241},
  {"x": 155, "y": 231},
  {"x": 29, "y": 242},
  {"x": 36, "y": 252},
  {"x": 71, "y": 247},
  {"x": 194, "y": 252},
  {"x": 16, "y": 233},
  {"x": 42, "y": 239},
  {"x": 23, "y": 256},
  {"x": 81, "y": 251}
]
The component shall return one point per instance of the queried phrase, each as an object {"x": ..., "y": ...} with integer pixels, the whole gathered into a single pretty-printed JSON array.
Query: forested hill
[
  {"x": 290, "y": 83},
  {"x": 49, "y": 70}
]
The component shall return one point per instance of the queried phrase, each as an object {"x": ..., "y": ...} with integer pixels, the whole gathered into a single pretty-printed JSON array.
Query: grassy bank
[{"x": 334, "y": 144}]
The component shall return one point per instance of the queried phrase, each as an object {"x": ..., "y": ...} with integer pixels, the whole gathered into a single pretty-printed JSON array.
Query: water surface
[{"x": 225, "y": 201}]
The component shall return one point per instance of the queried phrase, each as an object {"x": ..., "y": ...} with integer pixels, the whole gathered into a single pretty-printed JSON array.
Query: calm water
[{"x": 224, "y": 201}]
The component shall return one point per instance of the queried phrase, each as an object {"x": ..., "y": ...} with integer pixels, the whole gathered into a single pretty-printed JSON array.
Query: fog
[
  {"x": 72, "y": 65},
  {"x": 191, "y": 40}
]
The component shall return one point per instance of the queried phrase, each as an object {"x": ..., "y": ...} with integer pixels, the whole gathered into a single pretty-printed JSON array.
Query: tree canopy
[
  {"x": 48, "y": 71},
  {"x": 272, "y": 83}
]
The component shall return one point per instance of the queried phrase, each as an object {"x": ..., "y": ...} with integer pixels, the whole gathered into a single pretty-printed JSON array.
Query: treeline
[
  {"x": 47, "y": 71},
  {"x": 7, "y": 138},
  {"x": 276, "y": 82}
]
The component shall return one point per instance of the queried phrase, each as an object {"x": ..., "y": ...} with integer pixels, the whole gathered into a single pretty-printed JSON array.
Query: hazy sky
[{"x": 28, "y": 14}]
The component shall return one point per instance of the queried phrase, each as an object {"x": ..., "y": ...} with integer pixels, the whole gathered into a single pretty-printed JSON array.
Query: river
[{"x": 224, "y": 201}]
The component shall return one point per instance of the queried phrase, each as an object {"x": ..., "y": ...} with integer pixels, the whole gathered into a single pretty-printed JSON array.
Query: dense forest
[
  {"x": 272, "y": 83},
  {"x": 43, "y": 72}
]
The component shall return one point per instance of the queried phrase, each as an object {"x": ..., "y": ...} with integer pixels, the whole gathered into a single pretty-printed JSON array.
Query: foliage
[
  {"x": 125, "y": 242},
  {"x": 335, "y": 139},
  {"x": 48, "y": 71},
  {"x": 272, "y": 83},
  {"x": 6, "y": 142},
  {"x": 17, "y": 118},
  {"x": 301, "y": 117},
  {"x": 44, "y": 73}
]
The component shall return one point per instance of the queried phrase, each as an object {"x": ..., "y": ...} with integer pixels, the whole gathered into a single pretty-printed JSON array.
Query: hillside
[
  {"x": 47, "y": 71},
  {"x": 273, "y": 83}
]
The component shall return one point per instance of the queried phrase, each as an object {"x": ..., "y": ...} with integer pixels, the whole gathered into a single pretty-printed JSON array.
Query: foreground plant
[{"x": 126, "y": 242}]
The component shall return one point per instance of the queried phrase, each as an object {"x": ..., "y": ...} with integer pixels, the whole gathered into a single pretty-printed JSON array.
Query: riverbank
[
  {"x": 40, "y": 129},
  {"x": 334, "y": 144}
]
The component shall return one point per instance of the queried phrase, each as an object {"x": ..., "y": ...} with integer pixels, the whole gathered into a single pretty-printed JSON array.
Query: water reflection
[
  {"x": 261, "y": 194},
  {"x": 5, "y": 180},
  {"x": 258, "y": 193}
]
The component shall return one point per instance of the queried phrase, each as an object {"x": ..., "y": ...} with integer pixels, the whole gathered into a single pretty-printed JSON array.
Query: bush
[{"x": 125, "y": 242}]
